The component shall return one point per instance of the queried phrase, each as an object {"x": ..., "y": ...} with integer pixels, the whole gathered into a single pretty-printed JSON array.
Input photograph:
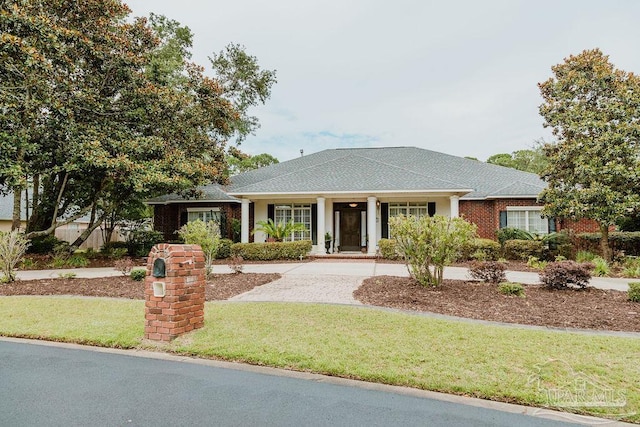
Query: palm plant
[{"x": 279, "y": 231}]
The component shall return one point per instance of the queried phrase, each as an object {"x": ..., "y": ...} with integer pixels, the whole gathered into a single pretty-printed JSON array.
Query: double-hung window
[
  {"x": 300, "y": 214},
  {"x": 527, "y": 218},
  {"x": 203, "y": 214}
]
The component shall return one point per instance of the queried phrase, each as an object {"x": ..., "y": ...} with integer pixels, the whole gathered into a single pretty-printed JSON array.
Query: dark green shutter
[
  {"x": 552, "y": 225},
  {"x": 314, "y": 223},
  {"x": 503, "y": 219},
  {"x": 384, "y": 219},
  {"x": 431, "y": 208},
  {"x": 184, "y": 218},
  {"x": 271, "y": 212}
]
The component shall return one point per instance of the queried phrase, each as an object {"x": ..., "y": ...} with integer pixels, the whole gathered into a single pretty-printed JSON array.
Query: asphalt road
[{"x": 45, "y": 385}]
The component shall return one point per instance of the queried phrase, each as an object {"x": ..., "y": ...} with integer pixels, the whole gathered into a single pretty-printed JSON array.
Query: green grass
[{"x": 500, "y": 363}]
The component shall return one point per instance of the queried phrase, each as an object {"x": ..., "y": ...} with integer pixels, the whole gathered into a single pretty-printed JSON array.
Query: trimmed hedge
[
  {"x": 271, "y": 251},
  {"x": 388, "y": 249},
  {"x": 523, "y": 249},
  {"x": 482, "y": 250},
  {"x": 224, "y": 249},
  {"x": 625, "y": 241}
]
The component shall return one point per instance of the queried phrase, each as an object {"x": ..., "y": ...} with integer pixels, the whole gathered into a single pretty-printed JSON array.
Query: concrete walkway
[{"x": 326, "y": 281}]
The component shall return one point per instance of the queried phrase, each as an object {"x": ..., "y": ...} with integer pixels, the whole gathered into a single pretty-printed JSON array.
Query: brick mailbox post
[{"x": 174, "y": 291}]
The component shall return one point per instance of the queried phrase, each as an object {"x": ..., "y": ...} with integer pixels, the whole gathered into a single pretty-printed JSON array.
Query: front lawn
[{"x": 500, "y": 363}]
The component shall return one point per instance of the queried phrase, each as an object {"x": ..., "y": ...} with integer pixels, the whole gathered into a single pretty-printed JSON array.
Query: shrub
[
  {"x": 272, "y": 251},
  {"x": 482, "y": 250},
  {"x": 224, "y": 249},
  {"x": 205, "y": 234},
  {"x": 631, "y": 267},
  {"x": 508, "y": 288},
  {"x": 488, "y": 271},
  {"x": 236, "y": 263},
  {"x": 124, "y": 266},
  {"x": 388, "y": 249},
  {"x": 620, "y": 241},
  {"x": 77, "y": 260},
  {"x": 508, "y": 233},
  {"x": 601, "y": 267},
  {"x": 534, "y": 262},
  {"x": 13, "y": 246},
  {"x": 138, "y": 275},
  {"x": 634, "y": 291},
  {"x": 585, "y": 256},
  {"x": 559, "y": 275},
  {"x": 43, "y": 244},
  {"x": 140, "y": 242},
  {"x": 430, "y": 242},
  {"x": 523, "y": 249}
]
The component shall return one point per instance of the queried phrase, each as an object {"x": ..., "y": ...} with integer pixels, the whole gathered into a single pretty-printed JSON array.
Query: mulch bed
[
  {"x": 220, "y": 287},
  {"x": 590, "y": 308}
]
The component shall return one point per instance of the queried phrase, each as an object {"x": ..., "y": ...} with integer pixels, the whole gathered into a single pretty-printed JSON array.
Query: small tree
[
  {"x": 279, "y": 231},
  {"x": 430, "y": 242},
  {"x": 207, "y": 235},
  {"x": 13, "y": 245}
]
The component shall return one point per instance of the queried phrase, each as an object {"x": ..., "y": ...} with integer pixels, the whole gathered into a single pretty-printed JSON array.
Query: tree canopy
[
  {"x": 99, "y": 110},
  {"x": 533, "y": 160},
  {"x": 241, "y": 162},
  {"x": 593, "y": 110}
]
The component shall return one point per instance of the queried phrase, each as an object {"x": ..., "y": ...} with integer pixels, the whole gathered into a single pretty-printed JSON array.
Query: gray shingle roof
[
  {"x": 208, "y": 193},
  {"x": 387, "y": 169}
]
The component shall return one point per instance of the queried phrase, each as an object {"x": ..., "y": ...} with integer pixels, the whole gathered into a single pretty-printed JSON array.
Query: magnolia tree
[
  {"x": 13, "y": 245},
  {"x": 430, "y": 243},
  {"x": 205, "y": 234}
]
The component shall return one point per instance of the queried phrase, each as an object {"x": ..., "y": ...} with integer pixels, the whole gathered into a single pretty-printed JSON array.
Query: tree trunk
[
  {"x": 85, "y": 234},
  {"x": 604, "y": 242},
  {"x": 17, "y": 208}
]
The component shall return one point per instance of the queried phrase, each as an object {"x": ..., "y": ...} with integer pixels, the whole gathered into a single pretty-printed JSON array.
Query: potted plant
[{"x": 327, "y": 241}]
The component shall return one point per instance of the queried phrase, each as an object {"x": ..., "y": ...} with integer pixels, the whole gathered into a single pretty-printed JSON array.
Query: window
[
  {"x": 528, "y": 219},
  {"x": 299, "y": 214},
  {"x": 414, "y": 209},
  {"x": 203, "y": 214}
]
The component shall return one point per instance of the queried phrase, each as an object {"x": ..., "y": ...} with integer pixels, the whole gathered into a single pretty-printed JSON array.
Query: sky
[{"x": 458, "y": 77}]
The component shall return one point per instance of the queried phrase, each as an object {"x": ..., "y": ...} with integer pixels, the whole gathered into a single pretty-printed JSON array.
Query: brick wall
[
  {"x": 486, "y": 215},
  {"x": 181, "y": 309}
]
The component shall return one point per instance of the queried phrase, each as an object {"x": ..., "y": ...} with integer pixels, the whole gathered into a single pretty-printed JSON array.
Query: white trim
[
  {"x": 359, "y": 192},
  {"x": 168, "y": 202},
  {"x": 214, "y": 209},
  {"x": 524, "y": 208}
]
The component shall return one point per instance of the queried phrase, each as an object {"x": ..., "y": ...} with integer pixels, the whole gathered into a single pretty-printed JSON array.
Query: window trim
[
  {"x": 291, "y": 207},
  {"x": 527, "y": 209},
  {"x": 212, "y": 209}
]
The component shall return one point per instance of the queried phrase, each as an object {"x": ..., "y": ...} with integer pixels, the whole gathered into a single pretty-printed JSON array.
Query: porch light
[{"x": 353, "y": 205}]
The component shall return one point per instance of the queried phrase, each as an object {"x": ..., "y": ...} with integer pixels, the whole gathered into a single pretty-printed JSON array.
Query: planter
[{"x": 327, "y": 245}]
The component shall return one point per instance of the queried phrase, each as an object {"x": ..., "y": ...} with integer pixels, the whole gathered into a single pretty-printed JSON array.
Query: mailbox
[{"x": 159, "y": 269}]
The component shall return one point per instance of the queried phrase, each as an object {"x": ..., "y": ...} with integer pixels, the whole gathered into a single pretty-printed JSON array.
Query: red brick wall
[
  {"x": 166, "y": 218},
  {"x": 486, "y": 215}
]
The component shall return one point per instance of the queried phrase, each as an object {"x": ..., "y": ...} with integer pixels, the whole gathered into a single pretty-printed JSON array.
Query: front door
[{"x": 350, "y": 230}]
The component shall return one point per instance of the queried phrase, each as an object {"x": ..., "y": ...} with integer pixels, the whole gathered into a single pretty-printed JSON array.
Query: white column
[
  {"x": 244, "y": 221},
  {"x": 320, "y": 230},
  {"x": 455, "y": 211},
  {"x": 371, "y": 225}
]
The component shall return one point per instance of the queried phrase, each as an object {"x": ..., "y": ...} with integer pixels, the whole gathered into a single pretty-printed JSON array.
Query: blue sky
[{"x": 459, "y": 77}]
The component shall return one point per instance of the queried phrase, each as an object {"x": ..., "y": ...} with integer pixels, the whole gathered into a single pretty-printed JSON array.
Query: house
[{"x": 351, "y": 193}]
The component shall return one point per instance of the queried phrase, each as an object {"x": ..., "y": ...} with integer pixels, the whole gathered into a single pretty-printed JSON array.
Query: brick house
[{"x": 351, "y": 193}]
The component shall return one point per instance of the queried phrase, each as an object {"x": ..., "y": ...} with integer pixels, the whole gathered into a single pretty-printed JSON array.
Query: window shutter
[
  {"x": 503, "y": 219},
  {"x": 431, "y": 208},
  {"x": 384, "y": 219},
  {"x": 314, "y": 223},
  {"x": 271, "y": 212},
  {"x": 184, "y": 218},
  {"x": 552, "y": 225}
]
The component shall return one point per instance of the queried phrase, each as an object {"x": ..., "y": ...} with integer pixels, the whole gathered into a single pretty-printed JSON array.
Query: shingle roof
[
  {"x": 207, "y": 193},
  {"x": 387, "y": 169}
]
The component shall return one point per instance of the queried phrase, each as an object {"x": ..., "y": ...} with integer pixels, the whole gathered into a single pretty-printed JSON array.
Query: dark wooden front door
[{"x": 350, "y": 230}]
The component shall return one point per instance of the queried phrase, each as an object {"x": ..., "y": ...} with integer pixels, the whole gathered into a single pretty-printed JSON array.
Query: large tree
[
  {"x": 593, "y": 110},
  {"x": 100, "y": 111},
  {"x": 532, "y": 160}
]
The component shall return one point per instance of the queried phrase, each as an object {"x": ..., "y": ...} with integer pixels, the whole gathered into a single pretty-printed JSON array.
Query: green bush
[
  {"x": 627, "y": 242},
  {"x": 140, "y": 242},
  {"x": 481, "y": 250},
  {"x": 534, "y": 262},
  {"x": 585, "y": 256},
  {"x": 631, "y": 267},
  {"x": 271, "y": 251},
  {"x": 138, "y": 275},
  {"x": 13, "y": 246},
  {"x": 43, "y": 244},
  {"x": 508, "y": 288},
  {"x": 388, "y": 249},
  {"x": 600, "y": 267},
  {"x": 77, "y": 260},
  {"x": 508, "y": 233},
  {"x": 224, "y": 249},
  {"x": 523, "y": 249},
  {"x": 634, "y": 291}
]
